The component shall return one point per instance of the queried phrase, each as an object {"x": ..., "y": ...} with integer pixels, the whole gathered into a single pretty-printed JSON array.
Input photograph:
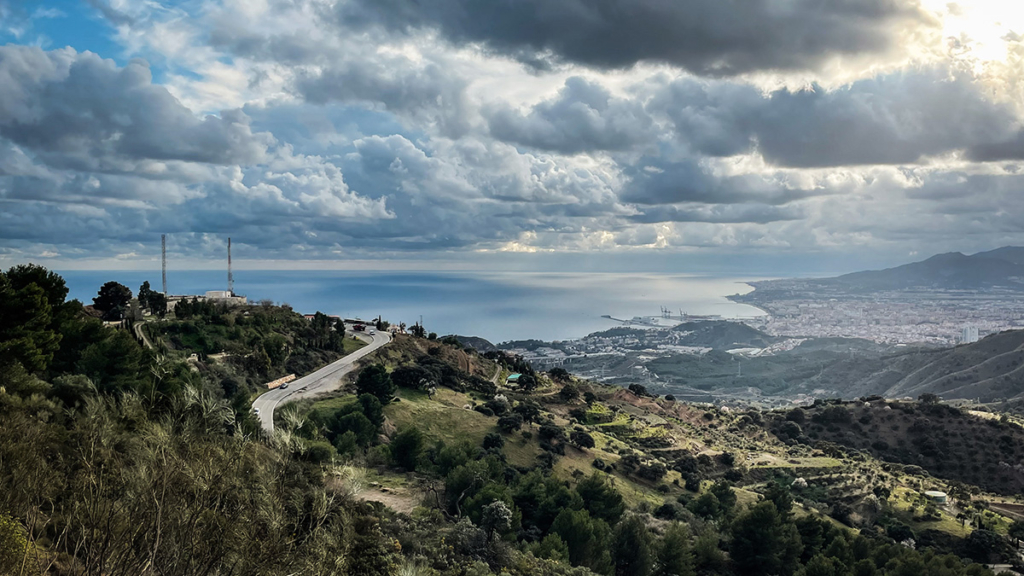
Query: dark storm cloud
[
  {"x": 661, "y": 181},
  {"x": 80, "y": 111},
  {"x": 898, "y": 118},
  {"x": 715, "y": 37},
  {"x": 583, "y": 117},
  {"x": 718, "y": 214},
  {"x": 894, "y": 119},
  {"x": 426, "y": 92},
  {"x": 1011, "y": 148}
]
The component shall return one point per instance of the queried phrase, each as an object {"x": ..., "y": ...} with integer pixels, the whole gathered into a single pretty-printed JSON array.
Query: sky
[{"x": 738, "y": 136}]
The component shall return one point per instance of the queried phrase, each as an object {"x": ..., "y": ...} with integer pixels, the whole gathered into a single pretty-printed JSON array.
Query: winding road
[{"x": 324, "y": 380}]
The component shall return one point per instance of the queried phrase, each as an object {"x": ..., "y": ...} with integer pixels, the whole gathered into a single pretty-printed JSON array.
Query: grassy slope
[{"x": 620, "y": 422}]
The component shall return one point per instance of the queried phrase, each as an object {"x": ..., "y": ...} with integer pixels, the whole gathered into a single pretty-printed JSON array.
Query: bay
[{"x": 498, "y": 306}]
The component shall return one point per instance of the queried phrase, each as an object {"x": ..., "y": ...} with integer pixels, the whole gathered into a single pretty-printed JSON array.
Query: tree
[
  {"x": 638, "y": 389},
  {"x": 581, "y": 439},
  {"x": 587, "y": 539},
  {"x": 496, "y": 518},
  {"x": 552, "y": 548},
  {"x": 559, "y": 374},
  {"x": 27, "y": 334},
  {"x": 158, "y": 304},
  {"x": 674, "y": 556},
  {"x": 706, "y": 506},
  {"x": 509, "y": 423},
  {"x": 600, "y": 498},
  {"x": 633, "y": 548},
  {"x": 1016, "y": 531},
  {"x": 116, "y": 363},
  {"x": 375, "y": 380},
  {"x": 529, "y": 411},
  {"x": 725, "y": 494},
  {"x": 528, "y": 382},
  {"x": 493, "y": 440},
  {"x": 412, "y": 376},
  {"x": 763, "y": 542},
  {"x": 781, "y": 497},
  {"x": 406, "y": 448},
  {"x": 823, "y": 566},
  {"x": 112, "y": 299},
  {"x": 569, "y": 393},
  {"x": 145, "y": 293}
]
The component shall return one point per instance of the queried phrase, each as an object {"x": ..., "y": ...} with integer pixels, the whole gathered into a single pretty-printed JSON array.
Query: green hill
[{"x": 118, "y": 458}]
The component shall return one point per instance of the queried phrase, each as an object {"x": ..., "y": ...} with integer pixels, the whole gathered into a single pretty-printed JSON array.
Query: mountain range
[{"x": 999, "y": 268}]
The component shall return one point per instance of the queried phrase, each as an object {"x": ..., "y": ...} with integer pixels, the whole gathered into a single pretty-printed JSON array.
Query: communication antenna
[
  {"x": 231, "y": 277},
  {"x": 163, "y": 259}
]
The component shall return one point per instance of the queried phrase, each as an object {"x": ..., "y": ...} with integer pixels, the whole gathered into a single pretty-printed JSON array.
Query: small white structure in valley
[{"x": 936, "y": 496}]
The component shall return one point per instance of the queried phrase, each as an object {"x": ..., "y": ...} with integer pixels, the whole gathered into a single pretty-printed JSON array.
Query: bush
[
  {"x": 569, "y": 393},
  {"x": 669, "y": 511},
  {"x": 493, "y": 440},
  {"x": 581, "y": 439},
  {"x": 12, "y": 544},
  {"x": 318, "y": 452},
  {"x": 509, "y": 423}
]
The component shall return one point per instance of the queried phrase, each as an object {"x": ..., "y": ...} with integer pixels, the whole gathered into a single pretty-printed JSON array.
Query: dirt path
[{"x": 398, "y": 500}]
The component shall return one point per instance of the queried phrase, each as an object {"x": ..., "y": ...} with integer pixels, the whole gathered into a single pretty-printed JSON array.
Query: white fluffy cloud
[{"x": 313, "y": 128}]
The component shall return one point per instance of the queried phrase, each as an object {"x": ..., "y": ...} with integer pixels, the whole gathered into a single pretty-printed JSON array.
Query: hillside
[
  {"x": 985, "y": 371},
  {"x": 722, "y": 335},
  {"x": 123, "y": 459},
  {"x": 976, "y": 449},
  {"x": 990, "y": 370}
]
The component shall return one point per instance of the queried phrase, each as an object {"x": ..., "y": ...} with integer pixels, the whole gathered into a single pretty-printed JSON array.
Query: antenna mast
[
  {"x": 163, "y": 260},
  {"x": 231, "y": 277}
]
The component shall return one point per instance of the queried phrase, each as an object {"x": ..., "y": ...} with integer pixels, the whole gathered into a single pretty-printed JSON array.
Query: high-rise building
[{"x": 969, "y": 335}]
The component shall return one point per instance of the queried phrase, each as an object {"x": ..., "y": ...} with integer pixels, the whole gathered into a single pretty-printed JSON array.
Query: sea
[{"x": 498, "y": 306}]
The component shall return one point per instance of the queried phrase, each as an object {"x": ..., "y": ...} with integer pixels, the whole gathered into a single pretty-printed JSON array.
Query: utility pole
[
  {"x": 231, "y": 277},
  {"x": 163, "y": 259}
]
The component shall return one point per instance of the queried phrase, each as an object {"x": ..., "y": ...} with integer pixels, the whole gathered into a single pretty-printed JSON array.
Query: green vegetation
[
  {"x": 241, "y": 348},
  {"x": 120, "y": 459}
]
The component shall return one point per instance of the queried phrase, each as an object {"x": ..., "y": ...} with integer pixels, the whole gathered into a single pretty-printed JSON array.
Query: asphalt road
[{"x": 324, "y": 380}]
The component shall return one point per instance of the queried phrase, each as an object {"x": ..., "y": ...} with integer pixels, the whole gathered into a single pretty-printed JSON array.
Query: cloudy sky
[{"x": 666, "y": 134}]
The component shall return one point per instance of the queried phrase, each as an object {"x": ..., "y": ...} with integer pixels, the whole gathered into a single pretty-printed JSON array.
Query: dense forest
[{"x": 121, "y": 459}]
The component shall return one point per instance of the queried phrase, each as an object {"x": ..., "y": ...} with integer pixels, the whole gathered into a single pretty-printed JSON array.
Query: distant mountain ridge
[{"x": 999, "y": 268}]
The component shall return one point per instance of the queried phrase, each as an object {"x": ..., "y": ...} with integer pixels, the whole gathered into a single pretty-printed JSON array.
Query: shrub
[
  {"x": 510, "y": 423},
  {"x": 493, "y": 440},
  {"x": 12, "y": 544}
]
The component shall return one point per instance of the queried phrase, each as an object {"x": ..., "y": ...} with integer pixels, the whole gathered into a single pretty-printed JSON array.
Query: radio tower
[
  {"x": 163, "y": 259},
  {"x": 231, "y": 277}
]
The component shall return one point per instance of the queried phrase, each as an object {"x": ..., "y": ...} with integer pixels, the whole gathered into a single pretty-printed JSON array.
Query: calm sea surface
[{"x": 497, "y": 306}]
